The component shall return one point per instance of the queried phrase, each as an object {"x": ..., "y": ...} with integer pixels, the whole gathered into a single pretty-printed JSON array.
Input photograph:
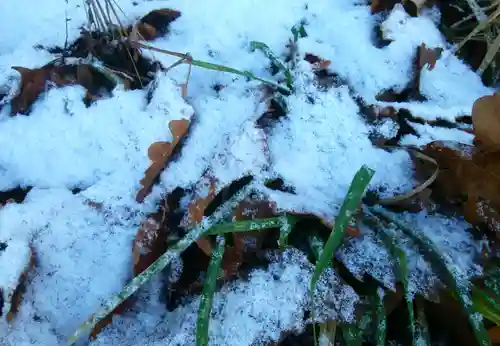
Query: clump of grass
[{"x": 456, "y": 284}]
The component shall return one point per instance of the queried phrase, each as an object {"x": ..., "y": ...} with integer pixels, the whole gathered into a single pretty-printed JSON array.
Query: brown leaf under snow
[
  {"x": 467, "y": 177},
  {"x": 159, "y": 153},
  {"x": 246, "y": 243},
  {"x": 486, "y": 122},
  {"x": 428, "y": 56},
  {"x": 13, "y": 298},
  {"x": 196, "y": 210},
  {"x": 149, "y": 244},
  {"x": 36, "y": 81},
  {"x": 317, "y": 62}
]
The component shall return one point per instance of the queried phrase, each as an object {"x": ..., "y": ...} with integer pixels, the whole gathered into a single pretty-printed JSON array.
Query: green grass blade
[
  {"x": 222, "y": 68},
  {"x": 208, "y": 294},
  {"x": 298, "y": 31},
  {"x": 247, "y": 225},
  {"x": 264, "y": 48},
  {"x": 401, "y": 266},
  {"x": 317, "y": 245},
  {"x": 381, "y": 332},
  {"x": 327, "y": 332},
  {"x": 486, "y": 305},
  {"x": 286, "y": 229},
  {"x": 349, "y": 207},
  {"x": 353, "y": 333},
  {"x": 439, "y": 259},
  {"x": 422, "y": 329}
]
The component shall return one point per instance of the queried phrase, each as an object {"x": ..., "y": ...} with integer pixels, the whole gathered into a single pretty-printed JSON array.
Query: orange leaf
[
  {"x": 159, "y": 153},
  {"x": 486, "y": 122}
]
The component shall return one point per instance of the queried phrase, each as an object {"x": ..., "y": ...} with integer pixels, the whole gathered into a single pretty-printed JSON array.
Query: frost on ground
[
  {"x": 84, "y": 253},
  {"x": 243, "y": 313}
]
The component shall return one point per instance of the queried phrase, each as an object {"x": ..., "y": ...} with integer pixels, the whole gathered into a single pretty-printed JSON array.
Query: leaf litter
[{"x": 106, "y": 147}]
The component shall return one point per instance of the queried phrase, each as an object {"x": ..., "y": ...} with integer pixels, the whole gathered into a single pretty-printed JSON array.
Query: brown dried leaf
[
  {"x": 159, "y": 154},
  {"x": 486, "y": 122},
  {"x": 159, "y": 151},
  {"x": 317, "y": 62},
  {"x": 382, "y": 5},
  {"x": 13, "y": 298},
  {"x": 494, "y": 334},
  {"x": 428, "y": 56},
  {"x": 156, "y": 23},
  {"x": 149, "y": 244},
  {"x": 35, "y": 81},
  {"x": 467, "y": 177}
]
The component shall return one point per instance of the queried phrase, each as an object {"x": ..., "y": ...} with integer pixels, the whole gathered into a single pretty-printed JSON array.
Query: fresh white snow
[{"x": 84, "y": 253}]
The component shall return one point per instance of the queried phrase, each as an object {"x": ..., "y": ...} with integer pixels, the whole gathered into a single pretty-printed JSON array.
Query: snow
[{"x": 84, "y": 252}]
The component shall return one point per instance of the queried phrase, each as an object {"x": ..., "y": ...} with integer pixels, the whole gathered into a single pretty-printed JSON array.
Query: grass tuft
[{"x": 451, "y": 279}]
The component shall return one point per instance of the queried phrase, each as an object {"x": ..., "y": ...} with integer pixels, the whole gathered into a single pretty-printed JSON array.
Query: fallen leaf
[
  {"x": 196, "y": 209},
  {"x": 382, "y": 5},
  {"x": 428, "y": 56},
  {"x": 486, "y": 122},
  {"x": 316, "y": 61},
  {"x": 156, "y": 23},
  {"x": 19, "y": 257},
  {"x": 468, "y": 177},
  {"x": 246, "y": 243},
  {"x": 159, "y": 154},
  {"x": 36, "y": 81},
  {"x": 494, "y": 334}
]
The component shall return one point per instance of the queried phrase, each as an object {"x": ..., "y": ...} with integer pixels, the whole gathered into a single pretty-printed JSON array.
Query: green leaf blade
[
  {"x": 208, "y": 294},
  {"x": 353, "y": 199}
]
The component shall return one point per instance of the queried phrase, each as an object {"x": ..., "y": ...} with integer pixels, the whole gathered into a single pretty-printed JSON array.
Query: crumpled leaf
[
  {"x": 159, "y": 154},
  {"x": 468, "y": 177},
  {"x": 317, "y": 62},
  {"x": 486, "y": 122},
  {"x": 16, "y": 260}
]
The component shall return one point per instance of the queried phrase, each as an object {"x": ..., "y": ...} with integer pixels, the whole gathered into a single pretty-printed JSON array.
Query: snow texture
[{"x": 83, "y": 250}]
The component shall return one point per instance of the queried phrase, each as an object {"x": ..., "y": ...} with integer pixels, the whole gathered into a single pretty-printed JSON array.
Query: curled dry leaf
[
  {"x": 159, "y": 154},
  {"x": 468, "y": 177},
  {"x": 17, "y": 258},
  {"x": 486, "y": 122}
]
